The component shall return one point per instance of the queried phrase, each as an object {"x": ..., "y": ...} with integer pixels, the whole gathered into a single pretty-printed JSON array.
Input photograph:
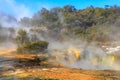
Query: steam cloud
[{"x": 90, "y": 55}]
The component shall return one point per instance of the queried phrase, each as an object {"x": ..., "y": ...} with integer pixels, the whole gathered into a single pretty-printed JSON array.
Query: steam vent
[{"x": 59, "y": 39}]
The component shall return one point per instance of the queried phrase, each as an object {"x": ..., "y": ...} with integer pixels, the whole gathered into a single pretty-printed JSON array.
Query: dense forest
[{"x": 89, "y": 24}]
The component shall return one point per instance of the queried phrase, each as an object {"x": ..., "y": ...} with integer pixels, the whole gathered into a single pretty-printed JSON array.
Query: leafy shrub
[
  {"x": 26, "y": 45},
  {"x": 33, "y": 47}
]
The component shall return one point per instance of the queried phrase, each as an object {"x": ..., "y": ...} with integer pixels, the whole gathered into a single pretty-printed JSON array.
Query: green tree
[
  {"x": 27, "y": 45},
  {"x": 22, "y": 37}
]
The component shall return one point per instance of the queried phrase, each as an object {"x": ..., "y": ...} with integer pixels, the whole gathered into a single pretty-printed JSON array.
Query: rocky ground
[
  {"x": 64, "y": 74},
  {"x": 54, "y": 72}
]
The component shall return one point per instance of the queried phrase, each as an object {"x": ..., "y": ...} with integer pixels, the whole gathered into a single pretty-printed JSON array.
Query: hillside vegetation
[{"x": 90, "y": 24}]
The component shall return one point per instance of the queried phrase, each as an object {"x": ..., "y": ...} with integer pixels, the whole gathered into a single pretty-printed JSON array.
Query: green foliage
[
  {"x": 83, "y": 24},
  {"x": 22, "y": 37},
  {"x": 34, "y": 47},
  {"x": 25, "y": 45}
]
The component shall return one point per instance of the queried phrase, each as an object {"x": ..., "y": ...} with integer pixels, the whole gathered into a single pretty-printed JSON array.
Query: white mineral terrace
[{"x": 110, "y": 50}]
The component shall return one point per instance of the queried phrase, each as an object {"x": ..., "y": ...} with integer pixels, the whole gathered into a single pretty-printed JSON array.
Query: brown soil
[
  {"x": 66, "y": 74},
  {"x": 10, "y": 54},
  {"x": 62, "y": 73}
]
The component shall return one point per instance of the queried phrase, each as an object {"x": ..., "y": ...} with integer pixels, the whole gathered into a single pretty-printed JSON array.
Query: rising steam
[
  {"x": 74, "y": 53},
  {"x": 83, "y": 55}
]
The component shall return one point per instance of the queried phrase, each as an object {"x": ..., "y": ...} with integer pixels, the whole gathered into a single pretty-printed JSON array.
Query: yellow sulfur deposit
[
  {"x": 108, "y": 60},
  {"x": 112, "y": 59},
  {"x": 75, "y": 52}
]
